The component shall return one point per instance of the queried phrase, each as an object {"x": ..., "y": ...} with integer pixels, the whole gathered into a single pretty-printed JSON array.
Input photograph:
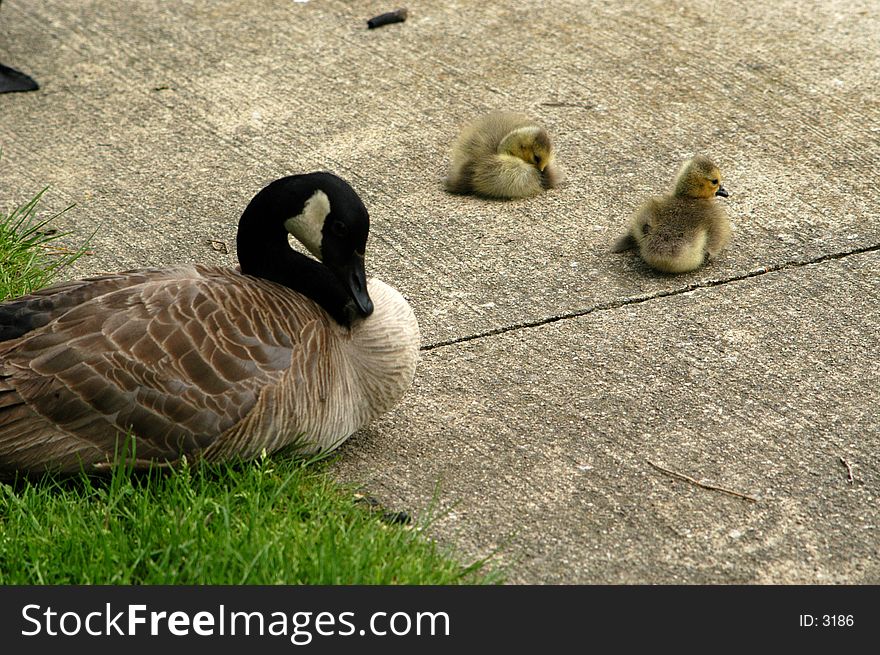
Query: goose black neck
[{"x": 264, "y": 251}]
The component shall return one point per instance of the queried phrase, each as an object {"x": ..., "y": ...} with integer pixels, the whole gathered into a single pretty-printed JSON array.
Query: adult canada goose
[
  {"x": 206, "y": 361},
  {"x": 678, "y": 232},
  {"x": 503, "y": 155}
]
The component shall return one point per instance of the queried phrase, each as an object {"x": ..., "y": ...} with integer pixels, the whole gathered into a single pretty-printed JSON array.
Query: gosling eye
[
  {"x": 537, "y": 161},
  {"x": 715, "y": 181}
]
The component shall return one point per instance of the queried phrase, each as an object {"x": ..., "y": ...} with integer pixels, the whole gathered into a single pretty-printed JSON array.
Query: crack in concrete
[{"x": 637, "y": 300}]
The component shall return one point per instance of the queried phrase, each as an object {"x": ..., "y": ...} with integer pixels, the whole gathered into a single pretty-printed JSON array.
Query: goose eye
[
  {"x": 339, "y": 228},
  {"x": 715, "y": 181}
]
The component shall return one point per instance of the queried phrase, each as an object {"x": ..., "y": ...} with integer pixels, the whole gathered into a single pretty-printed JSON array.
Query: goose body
[
  {"x": 203, "y": 361},
  {"x": 502, "y": 155},
  {"x": 682, "y": 230}
]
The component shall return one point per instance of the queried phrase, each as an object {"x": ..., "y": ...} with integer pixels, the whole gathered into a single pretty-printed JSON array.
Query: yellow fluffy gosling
[
  {"x": 503, "y": 155},
  {"x": 682, "y": 230}
]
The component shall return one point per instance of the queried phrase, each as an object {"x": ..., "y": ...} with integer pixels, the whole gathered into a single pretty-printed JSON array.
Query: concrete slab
[
  {"x": 542, "y": 439},
  {"x": 160, "y": 120}
]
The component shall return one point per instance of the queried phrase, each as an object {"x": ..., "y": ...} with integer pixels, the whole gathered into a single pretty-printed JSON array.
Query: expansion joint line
[{"x": 637, "y": 300}]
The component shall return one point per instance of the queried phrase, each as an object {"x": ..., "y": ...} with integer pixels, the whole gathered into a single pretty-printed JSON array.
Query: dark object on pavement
[
  {"x": 396, "y": 16},
  {"x": 388, "y": 516},
  {"x": 12, "y": 80}
]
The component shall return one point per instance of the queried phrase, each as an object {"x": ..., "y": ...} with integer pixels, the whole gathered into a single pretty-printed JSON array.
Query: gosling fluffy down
[
  {"x": 207, "y": 361},
  {"x": 503, "y": 155},
  {"x": 682, "y": 230}
]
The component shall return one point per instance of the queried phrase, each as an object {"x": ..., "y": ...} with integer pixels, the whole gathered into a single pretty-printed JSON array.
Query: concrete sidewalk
[{"x": 553, "y": 371}]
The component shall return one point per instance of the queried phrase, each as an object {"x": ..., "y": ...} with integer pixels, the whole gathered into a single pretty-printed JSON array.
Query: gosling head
[
  {"x": 531, "y": 144},
  {"x": 699, "y": 178}
]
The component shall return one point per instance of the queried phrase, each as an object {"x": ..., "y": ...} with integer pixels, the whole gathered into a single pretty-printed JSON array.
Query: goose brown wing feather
[
  {"x": 177, "y": 361},
  {"x": 20, "y": 316}
]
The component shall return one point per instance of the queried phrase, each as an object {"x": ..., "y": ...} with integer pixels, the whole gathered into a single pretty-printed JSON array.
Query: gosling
[
  {"x": 503, "y": 155},
  {"x": 682, "y": 230}
]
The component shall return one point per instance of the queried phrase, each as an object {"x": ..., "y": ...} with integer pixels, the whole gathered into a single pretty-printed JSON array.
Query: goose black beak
[
  {"x": 354, "y": 277},
  {"x": 722, "y": 192}
]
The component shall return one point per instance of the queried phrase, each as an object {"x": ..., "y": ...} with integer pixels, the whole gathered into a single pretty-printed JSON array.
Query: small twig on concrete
[
  {"x": 62, "y": 250},
  {"x": 582, "y": 105},
  {"x": 694, "y": 481},
  {"x": 849, "y": 473}
]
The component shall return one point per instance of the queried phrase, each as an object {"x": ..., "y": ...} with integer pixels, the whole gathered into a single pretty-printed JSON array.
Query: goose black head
[
  {"x": 334, "y": 225},
  {"x": 326, "y": 215}
]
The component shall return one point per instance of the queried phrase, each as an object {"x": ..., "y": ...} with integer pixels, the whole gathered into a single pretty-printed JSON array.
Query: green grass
[
  {"x": 278, "y": 520},
  {"x": 28, "y": 258},
  {"x": 274, "y": 521}
]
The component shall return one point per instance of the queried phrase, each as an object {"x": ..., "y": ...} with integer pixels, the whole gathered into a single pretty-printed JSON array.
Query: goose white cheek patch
[{"x": 307, "y": 226}]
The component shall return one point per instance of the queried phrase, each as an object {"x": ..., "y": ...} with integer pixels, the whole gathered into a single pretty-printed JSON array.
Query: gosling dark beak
[
  {"x": 354, "y": 277},
  {"x": 722, "y": 192}
]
